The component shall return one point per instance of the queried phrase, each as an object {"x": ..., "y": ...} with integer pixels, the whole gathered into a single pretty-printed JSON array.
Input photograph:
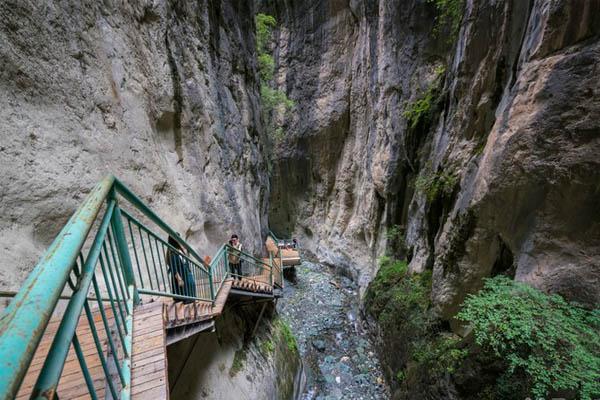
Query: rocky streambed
[{"x": 339, "y": 359}]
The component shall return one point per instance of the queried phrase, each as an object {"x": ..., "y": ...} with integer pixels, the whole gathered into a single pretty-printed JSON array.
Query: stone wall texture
[
  {"x": 162, "y": 94},
  {"x": 514, "y": 127}
]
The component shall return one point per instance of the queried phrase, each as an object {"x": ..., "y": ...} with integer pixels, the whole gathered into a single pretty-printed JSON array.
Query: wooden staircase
[{"x": 157, "y": 322}]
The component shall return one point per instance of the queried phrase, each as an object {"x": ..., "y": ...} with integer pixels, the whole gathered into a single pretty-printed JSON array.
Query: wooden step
[{"x": 149, "y": 372}]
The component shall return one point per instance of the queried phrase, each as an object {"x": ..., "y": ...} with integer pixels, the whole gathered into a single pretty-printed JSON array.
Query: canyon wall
[
  {"x": 162, "y": 94},
  {"x": 498, "y": 174},
  {"x": 239, "y": 361}
]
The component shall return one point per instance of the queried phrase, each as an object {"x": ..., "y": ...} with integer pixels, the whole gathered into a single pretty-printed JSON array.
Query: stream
[{"x": 339, "y": 359}]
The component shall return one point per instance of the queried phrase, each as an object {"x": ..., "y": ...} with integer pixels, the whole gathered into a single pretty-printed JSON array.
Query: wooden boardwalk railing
[{"x": 133, "y": 286}]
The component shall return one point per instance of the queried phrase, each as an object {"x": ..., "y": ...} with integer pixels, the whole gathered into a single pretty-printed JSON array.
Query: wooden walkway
[
  {"x": 152, "y": 322},
  {"x": 71, "y": 384},
  {"x": 149, "y": 372}
]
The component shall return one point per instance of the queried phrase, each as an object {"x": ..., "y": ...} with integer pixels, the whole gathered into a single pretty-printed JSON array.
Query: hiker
[
  {"x": 235, "y": 262},
  {"x": 182, "y": 278}
]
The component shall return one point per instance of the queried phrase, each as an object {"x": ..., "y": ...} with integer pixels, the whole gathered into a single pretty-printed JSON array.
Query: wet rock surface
[{"x": 339, "y": 359}]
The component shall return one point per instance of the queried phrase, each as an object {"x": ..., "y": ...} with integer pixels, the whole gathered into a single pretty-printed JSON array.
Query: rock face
[
  {"x": 500, "y": 175},
  {"x": 162, "y": 94},
  {"x": 236, "y": 363}
]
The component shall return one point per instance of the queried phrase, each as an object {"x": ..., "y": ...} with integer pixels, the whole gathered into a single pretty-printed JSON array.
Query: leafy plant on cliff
[
  {"x": 396, "y": 237},
  {"x": 554, "y": 344},
  {"x": 287, "y": 335},
  {"x": 449, "y": 17},
  {"x": 394, "y": 290},
  {"x": 440, "y": 355},
  {"x": 419, "y": 111},
  {"x": 239, "y": 360},
  {"x": 264, "y": 26},
  {"x": 441, "y": 183},
  {"x": 274, "y": 101}
]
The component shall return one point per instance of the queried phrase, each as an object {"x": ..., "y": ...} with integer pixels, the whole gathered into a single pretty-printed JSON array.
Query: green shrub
[
  {"x": 449, "y": 17},
  {"x": 267, "y": 347},
  {"x": 272, "y": 100},
  {"x": 264, "y": 26},
  {"x": 437, "y": 184},
  {"x": 417, "y": 111},
  {"x": 396, "y": 239},
  {"x": 420, "y": 110},
  {"x": 554, "y": 344},
  {"x": 239, "y": 360},
  {"x": 287, "y": 335},
  {"x": 416, "y": 348},
  {"x": 394, "y": 290},
  {"x": 266, "y": 67},
  {"x": 441, "y": 354}
]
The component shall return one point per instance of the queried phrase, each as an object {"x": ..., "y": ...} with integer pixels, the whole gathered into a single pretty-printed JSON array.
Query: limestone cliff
[
  {"x": 500, "y": 174},
  {"x": 162, "y": 94}
]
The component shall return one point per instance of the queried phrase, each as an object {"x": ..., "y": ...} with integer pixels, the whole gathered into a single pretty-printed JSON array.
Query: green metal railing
[
  {"x": 252, "y": 268},
  {"x": 284, "y": 242},
  {"x": 103, "y": 260}
]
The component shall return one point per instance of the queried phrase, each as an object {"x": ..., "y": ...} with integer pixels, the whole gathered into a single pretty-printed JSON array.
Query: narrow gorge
[{"x": 437, "y": 161}]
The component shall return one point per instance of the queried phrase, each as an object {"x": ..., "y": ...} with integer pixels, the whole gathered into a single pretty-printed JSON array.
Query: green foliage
[
  {"x": 239, "y": 360},
  {"x": 267, "y": 347},
  {"x": 395, "y": 236},
  {"x": 266, "y": 67},
  {"x": 437, "y": 184},
  {"x": 420, "y": 110},
  {"x": 417, "y": 111},
  {"x": 273, "y": 100},
  {"x": 400, "y": 376},
  {"x": 450, "y": 13},
  {"x": 264, "y": 27},
  {"x": 554, "y": 344},
  {"x": 415, "y": 348},
  {"x": 395, "y": 232},
  {"x": 287, "y": 335},
  {"x": 394, "y": 291},
  {"x": 440, "y": 355}
]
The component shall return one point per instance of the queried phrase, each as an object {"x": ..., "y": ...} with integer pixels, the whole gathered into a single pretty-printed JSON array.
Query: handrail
[
  {"x": 130, "y": 259},
  {"x": 285, "y": 241},
  {"x": 273, "y": 236},
  {"x": 243, "y": 253},
  {"x": 24, "y": 320},
  {"x": 138, "y": 203}
]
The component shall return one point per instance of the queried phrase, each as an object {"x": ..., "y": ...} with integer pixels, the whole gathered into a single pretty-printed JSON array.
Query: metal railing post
[
  {"x": 211, "y": 285},
  {"x": 271, "y": 269},
  {"x": 122, "y": 248},
  {"x": 226, "y": 262},
  {"x": 280, "y": 269}
]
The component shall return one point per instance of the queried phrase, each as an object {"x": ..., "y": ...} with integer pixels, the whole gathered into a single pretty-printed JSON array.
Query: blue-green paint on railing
[{"x": 25, "y": 319}]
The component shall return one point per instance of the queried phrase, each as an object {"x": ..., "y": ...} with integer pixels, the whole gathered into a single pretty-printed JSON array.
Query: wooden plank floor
[
  {"x": 149, "y": 356},
  {"x": 72, "y": 384},
  {"x": 149, "y": 372}
]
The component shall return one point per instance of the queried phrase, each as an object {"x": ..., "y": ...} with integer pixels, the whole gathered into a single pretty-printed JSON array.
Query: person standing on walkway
[
  {"x": 234, "y": 257},
  {"x": 182, "y": 278}
]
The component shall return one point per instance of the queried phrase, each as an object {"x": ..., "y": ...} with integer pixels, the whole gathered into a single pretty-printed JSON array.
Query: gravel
[{"x": 339, "y": 359}]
